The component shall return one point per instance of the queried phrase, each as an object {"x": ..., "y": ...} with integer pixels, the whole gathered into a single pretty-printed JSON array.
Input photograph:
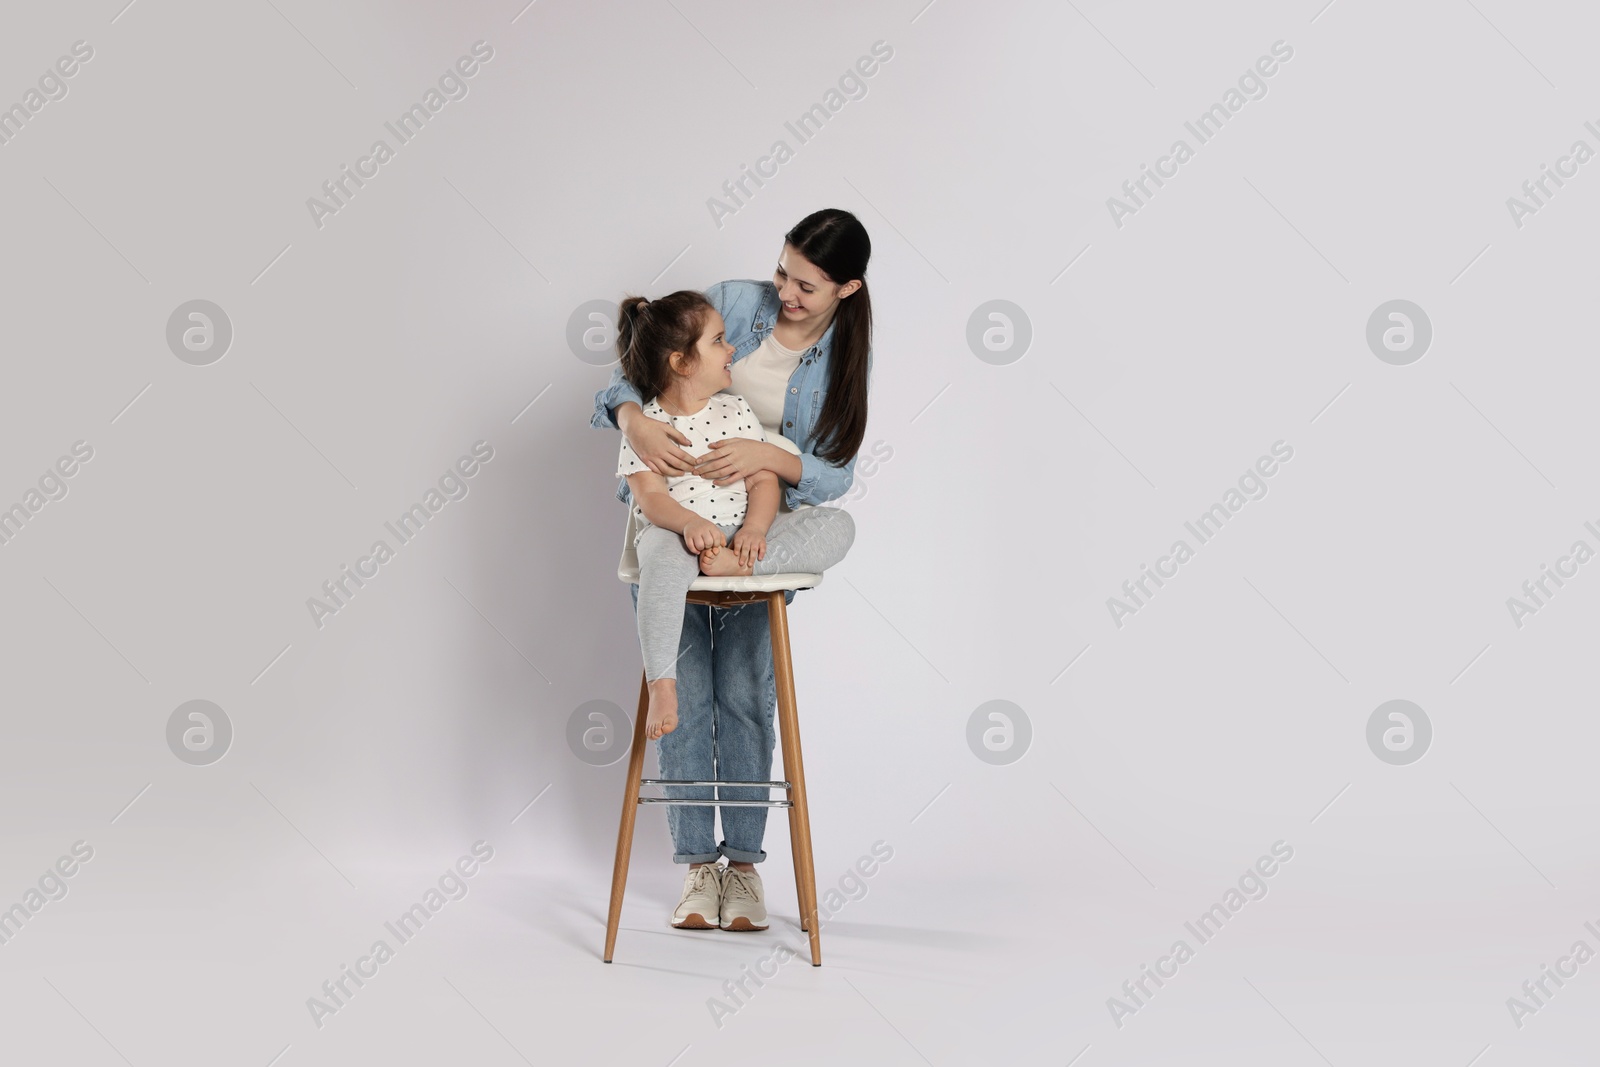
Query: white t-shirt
[
  {"x": 725, "y": 415},
  {"x": 762, "y": 378}
]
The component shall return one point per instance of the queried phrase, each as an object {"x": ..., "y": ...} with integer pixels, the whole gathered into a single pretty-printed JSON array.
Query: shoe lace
[
  {"x": 735, "y": 884},
  {"x": 701, "y": 876}
]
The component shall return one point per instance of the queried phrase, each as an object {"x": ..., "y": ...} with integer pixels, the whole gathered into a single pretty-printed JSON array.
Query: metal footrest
[
  {"x": 713, "y": 803},
  {"x": 686, "y": 781},
  {"x": 719, "y": 803}
]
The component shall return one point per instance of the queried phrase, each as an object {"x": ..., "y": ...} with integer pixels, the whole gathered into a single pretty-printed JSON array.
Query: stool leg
[
  {"x": 630, "y": 809},
  {"x": 788, "y": 776},
  {"x": 794, "y": 829},
  {"x": 794, "y": 771}
]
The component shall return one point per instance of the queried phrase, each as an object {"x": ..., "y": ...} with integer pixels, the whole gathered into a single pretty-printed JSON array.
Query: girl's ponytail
[{"x": 634, "y": 367}]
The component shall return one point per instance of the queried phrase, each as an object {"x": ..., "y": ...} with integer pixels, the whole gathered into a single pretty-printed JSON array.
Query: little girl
[{"x": 674, "y": 354}]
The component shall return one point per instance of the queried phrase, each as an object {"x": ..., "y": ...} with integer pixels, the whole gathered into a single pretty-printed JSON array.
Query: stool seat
[{"x": 628, "y": 571}]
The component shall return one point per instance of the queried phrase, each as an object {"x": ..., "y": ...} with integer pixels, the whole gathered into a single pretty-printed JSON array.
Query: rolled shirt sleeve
[
  {"x": 820, "y": 481},
  {"x": 616, "y": 392}
]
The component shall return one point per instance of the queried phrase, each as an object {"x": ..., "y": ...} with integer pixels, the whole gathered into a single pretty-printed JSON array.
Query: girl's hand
[
  {"x": 652, "y": 441},
  {"x": 702, "y": 534},
  {"x": 749, "y": 545},
  {"x": 733, "y": 458}
]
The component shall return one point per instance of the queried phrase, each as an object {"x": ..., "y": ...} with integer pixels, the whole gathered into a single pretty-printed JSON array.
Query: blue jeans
[{"x": 726, "y": 700}]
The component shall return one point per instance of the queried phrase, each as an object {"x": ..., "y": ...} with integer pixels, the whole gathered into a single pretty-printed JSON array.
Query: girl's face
[
  {"x": 809, "y": 296},
  {"x": 713, "y": 372}
]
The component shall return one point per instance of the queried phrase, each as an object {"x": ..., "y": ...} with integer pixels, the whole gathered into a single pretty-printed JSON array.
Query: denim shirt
[{"x": 749, "y": 312}]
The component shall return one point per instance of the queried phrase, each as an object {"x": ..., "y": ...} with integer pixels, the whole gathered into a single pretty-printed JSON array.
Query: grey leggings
[{"x": 807, "y": 541}]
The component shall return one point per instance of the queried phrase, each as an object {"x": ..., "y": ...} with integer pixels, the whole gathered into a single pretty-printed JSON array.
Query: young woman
[{"x": 802, "y": 359}]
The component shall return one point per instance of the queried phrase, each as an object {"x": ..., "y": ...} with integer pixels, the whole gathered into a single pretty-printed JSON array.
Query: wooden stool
[{"x": 726, "y": 593}]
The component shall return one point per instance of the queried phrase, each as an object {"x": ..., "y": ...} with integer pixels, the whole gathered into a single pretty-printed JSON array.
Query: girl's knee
[
  {"x": 847, "y": 524},
  {"x": 843, "y": 525}
]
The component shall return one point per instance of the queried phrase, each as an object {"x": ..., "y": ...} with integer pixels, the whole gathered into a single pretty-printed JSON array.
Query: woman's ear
[{"x": 849, "y": 287}]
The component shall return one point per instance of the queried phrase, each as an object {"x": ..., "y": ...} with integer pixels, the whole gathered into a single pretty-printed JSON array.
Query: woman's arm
[
  {"x": 784, "y": 464},
  {"x": 808, "y": 479},
  {"x": 762, "y": 506},
  {"x": 623, "y": 412}
]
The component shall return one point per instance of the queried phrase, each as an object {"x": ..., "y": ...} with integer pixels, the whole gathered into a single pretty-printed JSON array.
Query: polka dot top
[{"x": 725, "y": 415}]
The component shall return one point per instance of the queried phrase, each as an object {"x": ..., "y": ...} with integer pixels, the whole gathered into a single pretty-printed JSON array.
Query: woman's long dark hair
[
  {"x": 648, "y": 331},
  {"x": 837, "y": 243}
]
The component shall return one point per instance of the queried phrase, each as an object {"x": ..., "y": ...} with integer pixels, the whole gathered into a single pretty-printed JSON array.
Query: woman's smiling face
[{"x": 808, "y": 295}]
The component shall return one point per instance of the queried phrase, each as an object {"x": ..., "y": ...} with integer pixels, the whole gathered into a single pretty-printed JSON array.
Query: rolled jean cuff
[
  {"x": 679, "y": 857},
  {"x": 739, "y": 855}
]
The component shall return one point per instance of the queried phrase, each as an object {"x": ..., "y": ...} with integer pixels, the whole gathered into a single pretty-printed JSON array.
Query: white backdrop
[{"x": 1152, "y": 346}]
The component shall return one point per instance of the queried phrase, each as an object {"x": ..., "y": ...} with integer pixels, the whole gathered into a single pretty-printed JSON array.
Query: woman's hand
[
  {"x": 653, "y": 442},
  {"x": 733, "y": 458},
  {"x": 702, "y": 534},
  {"x": 749, "y": 545}
]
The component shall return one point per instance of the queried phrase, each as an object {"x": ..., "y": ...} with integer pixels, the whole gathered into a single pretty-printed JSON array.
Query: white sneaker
[
  {"x": 743, "y": 905},
  {"x": 702, "y": 899}
]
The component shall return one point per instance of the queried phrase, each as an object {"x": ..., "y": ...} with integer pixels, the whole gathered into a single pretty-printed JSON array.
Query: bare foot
[
  {"x": 722, "y": 563},
  {"x": 662, "y": 716}
]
